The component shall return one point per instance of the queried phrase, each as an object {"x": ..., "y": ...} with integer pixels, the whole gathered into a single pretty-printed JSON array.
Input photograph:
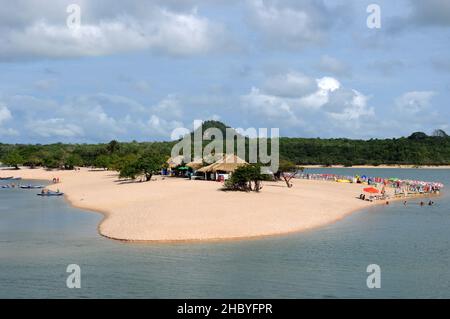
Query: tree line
[{"x": 134, "y": 158}]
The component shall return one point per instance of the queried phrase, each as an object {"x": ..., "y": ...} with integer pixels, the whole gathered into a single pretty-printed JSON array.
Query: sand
[{"x": 175, "y": 209}]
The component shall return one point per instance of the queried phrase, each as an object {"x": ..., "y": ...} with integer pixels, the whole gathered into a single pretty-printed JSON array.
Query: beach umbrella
[{"x": 371, "y": 190}]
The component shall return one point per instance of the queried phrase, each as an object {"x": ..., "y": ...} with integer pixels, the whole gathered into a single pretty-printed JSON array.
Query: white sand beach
[{"x": 176, "y": 209}]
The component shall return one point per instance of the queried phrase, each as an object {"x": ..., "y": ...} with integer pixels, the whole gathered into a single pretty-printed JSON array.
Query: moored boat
[
  {"x": 31, "y": 186},
  {"x": 51, "y": 194}
]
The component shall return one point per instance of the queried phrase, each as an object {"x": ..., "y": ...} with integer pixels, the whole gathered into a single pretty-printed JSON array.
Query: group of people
[
  {"x": 47, "y": 191},
  {"x": 401, "y": 187},
  {"x": 422, "y": 203}
]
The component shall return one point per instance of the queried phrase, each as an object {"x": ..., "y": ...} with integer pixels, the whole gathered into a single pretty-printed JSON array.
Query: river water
[{"x": 40, "y": 237}]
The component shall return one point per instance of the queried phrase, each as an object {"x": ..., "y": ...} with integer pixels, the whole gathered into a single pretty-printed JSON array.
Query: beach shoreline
[
  {"x": 150, "y": 212},
  {"x": 384, "y": 166}
]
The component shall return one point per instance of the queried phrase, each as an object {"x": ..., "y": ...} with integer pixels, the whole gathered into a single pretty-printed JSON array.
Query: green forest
[{"x": 416, "y": 149}]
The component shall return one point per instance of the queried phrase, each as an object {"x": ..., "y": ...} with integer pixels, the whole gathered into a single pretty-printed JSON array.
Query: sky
[{"x": 137, "y": 70}]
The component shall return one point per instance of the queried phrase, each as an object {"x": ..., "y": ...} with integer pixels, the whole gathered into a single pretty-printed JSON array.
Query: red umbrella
[{"x": 371, "y": 190}]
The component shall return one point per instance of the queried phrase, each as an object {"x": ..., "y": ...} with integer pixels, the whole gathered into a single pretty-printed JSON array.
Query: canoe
[
  {"x": 6, "y": 178},
  {"x": 51, "y": 194},
  {"x": 32, "y": 186}
]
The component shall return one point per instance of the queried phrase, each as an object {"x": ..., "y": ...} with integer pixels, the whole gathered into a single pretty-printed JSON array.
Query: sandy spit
[{"x": 174, "y": 209}]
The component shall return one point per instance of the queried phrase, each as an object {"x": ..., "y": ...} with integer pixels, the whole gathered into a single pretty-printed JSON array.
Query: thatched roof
[
  {"x": 175, "y": 161},
  {"x": 195, "y": 165},
  {"x": 228, "y": 163},
  {"x": 199, "y": 163}
]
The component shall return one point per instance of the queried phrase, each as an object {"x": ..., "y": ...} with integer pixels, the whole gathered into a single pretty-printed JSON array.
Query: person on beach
[
  {"x": 422, "y": 203},
  {"x": 430, "y": 203}
]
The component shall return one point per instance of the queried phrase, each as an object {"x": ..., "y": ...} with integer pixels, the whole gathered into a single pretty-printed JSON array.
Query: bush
[{"x": 246, "y": 178}]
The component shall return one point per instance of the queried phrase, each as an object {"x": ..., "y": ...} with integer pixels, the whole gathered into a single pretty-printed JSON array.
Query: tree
[
  {"x": 287, "y": 170},
  {"x": 147, "y": 164},
  {"x": 13, "y": 159},
  {"x": 113, "y": 147},
  {"x": 102, "y": 161},
  {"x": 246, "y": 178},
  {"x": 129, "y": 170},
  {"x": 72, "y": 161},
  {"x": 418, "y": 136},
  {"x": 150, "y": 163},
  {"x": 440, "y": 133}
]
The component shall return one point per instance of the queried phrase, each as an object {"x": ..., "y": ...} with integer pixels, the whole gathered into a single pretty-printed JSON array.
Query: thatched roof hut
[
  {"x": 228, "y": 163},
  {"x": 175, "y": 161},
  {"x": 199, "y": 163},
  {"x": 195, "y": 165}
]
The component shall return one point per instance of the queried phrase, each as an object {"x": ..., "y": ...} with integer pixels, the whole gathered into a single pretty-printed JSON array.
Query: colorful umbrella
[{"x": 371, "y": 190}]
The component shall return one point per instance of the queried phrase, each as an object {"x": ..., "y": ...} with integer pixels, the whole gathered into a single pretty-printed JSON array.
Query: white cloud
[
  {"x": 328, "y": 84},
  {"x": 352, "y": 111},
  {"x": 54, "y": 127},
  {"x": 330, "y": 107},
  {"x": 169, "y": 106},
  {"x": 325, "y": 86},
  {"x": 291, "y": 84},
  {"x": 92, "y": 118},
  {"x": 415, "y": 101},
  {"x": 269, "y": 106},
  {"x": 162, "y": 127},
  {"x": 291, "y": 24},
  {"x": 158, "y": 30},
  {"x": 5, "y": 114}
]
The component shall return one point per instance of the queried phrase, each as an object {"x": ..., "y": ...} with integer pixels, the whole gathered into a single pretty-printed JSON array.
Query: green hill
[{"x": 417, "y": 149}]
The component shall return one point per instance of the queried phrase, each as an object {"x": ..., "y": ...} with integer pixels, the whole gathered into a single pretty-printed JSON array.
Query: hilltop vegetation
[{"x": 417, "y": 149}]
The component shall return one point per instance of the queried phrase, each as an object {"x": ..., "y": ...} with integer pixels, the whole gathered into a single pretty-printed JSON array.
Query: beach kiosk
[{"x": 222, "y": 168}]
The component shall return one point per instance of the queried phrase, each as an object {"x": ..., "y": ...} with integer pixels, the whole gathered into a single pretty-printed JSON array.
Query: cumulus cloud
[
  {"x": 5, "y": 114},
  {"x": 291, "y": 84},
  {"x": 54, "y": 127},
  {"x": 414, "y": 102},
  {"x": 291, "y": 24},
  {"x": 330, "y": 106},
  {"x": 270, "y": 107},
  {"x": 92, "y": 118},
  {"x": 43, "y": 33}
]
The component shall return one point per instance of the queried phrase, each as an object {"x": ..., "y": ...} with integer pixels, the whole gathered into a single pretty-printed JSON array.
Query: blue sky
[{"x": 137, "y": 70}]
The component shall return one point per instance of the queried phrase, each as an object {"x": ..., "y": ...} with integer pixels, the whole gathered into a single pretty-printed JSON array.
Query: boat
[
  {"x": 31, "y": 186},
  {"x": 51, "y": 194},
  {"x": 6, "y": 178}
]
